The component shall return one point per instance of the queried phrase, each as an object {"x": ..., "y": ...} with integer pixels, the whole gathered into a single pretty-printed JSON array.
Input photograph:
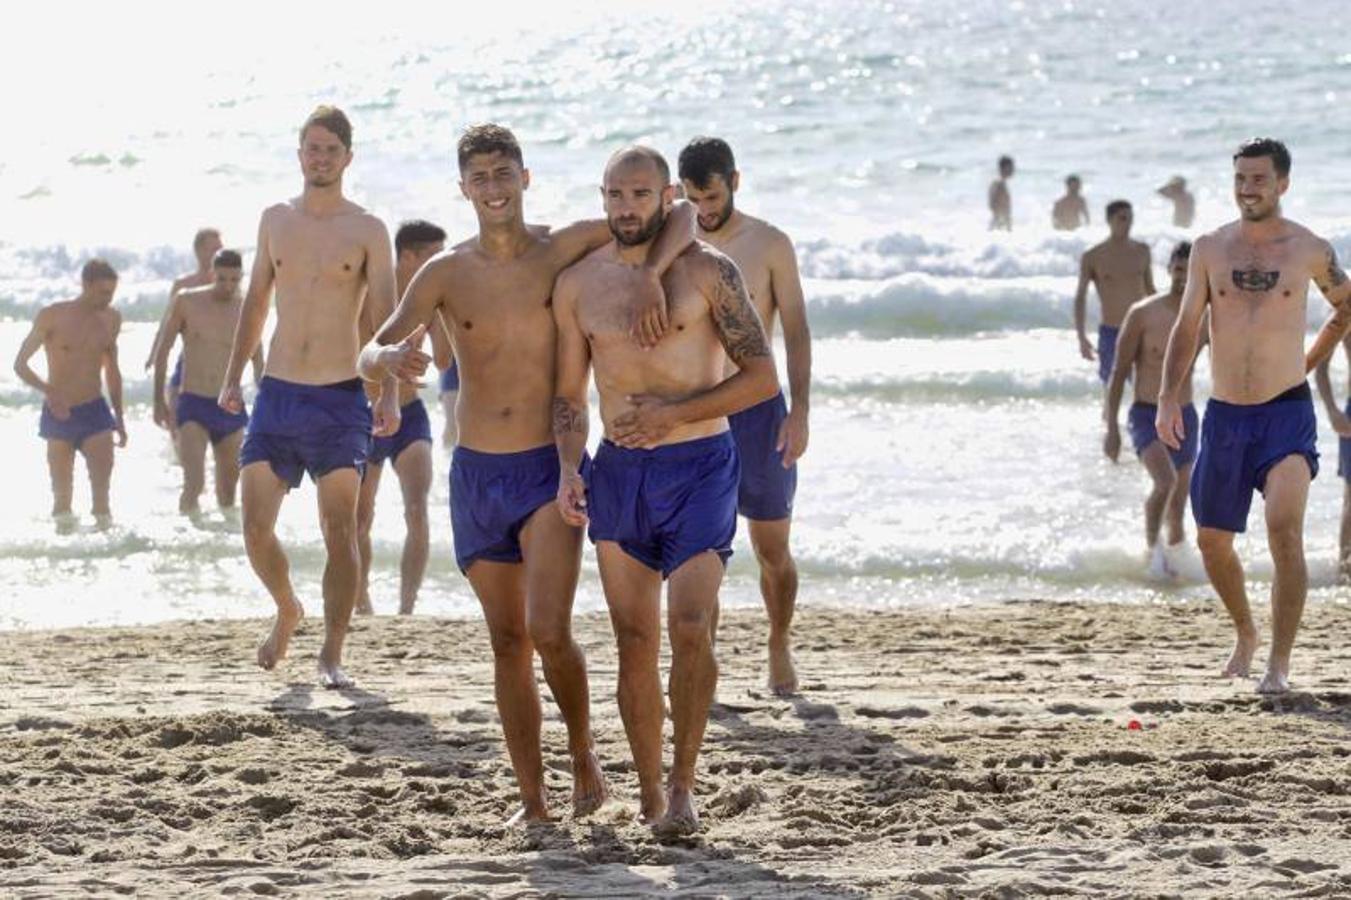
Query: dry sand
[{"x": 979, "y": 752}]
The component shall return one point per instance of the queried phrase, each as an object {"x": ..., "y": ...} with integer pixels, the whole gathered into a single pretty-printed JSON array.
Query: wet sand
[{"x": 977, "y": 752}]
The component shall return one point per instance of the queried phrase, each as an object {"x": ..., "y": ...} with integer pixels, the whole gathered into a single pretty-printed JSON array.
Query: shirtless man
[
  {"x": 1120, "y": 269},
  {"x": 205, "y": 317},
  {"x": 521, "y": 558},
  {"x": 1070, "y": 212},
  {"x": 1259, "y": 430},
  {"x": 205, "y": 245},
  {"x": 1184, "y": 204},
  {"x": 661, "y": 496},
  {"x": 80, "y": 340},
  {"x": 323, "y": 254},
  {"x": 1340, "y": 419},
  {"x": 769, "y": 436},
  {"x": 409, "y": 448},
  {"x": 1140, "y": 349},
  {"x": 1001, "y": 204}
]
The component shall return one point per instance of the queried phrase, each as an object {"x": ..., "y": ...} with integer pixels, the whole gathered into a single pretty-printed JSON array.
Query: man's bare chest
[{"x": 317, "y": 252}]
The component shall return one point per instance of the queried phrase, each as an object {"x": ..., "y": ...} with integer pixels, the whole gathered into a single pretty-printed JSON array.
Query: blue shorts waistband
[
  {"x": 510, "y": 460},
  {"x": 351, "y": 384},
  {"x": 676, "y": 452},
  {"x": 1300, "y": 393}
]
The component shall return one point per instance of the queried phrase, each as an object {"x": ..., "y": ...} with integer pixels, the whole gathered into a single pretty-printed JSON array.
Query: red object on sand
[{"x": 1134, "y": 725}]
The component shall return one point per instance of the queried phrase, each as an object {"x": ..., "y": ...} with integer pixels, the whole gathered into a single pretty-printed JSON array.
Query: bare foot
[
  {"x": 680, "y": 818},
  {"x": 782, "y": 673},
  {"x": 332, "y": 676},
  {"x": 363, "y": 607},
  {"x": 273, "y": 650},
  {"x": 651, "y": 807},
  {"x": 1277, "y": 679},
  {"x": 405, "y": 609},
  {"x": 533, "y": 814},
  {"x": 588, "y": 785},
  {"x": 1240, "y": 661}
]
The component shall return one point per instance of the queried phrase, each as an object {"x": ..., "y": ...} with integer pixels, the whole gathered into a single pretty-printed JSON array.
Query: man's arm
[
  {"x": 742, "y": 337},
  {"x": 395, "y": 349},
  {"x": 163, "y": 320},
  {"x": 1340, "y": 422},
  {"x": 1332, "y": 281},
  {"x": 170, "y": 328},
  {"x": 786, "y": 284},
  {"x": 1127, "y": 348},
  {"x": 1150, "y": 290},
  {"x": 443, "y": 352},
  {"x": 252, "y": 318},
  {"x": 1183, "y": 347},
  {"x": 572, "y": 365},
  {"x": 1081, "y": 308},
  {"x": 32, "y": 343},
  {"x": 112, "y": 376}
]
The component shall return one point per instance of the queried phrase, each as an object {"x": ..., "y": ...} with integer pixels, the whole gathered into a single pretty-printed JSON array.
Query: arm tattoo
[
  {"x": 568, "y": 417},
  {"x": 739, "y": 328},
  {"x": 1333, "y": 276},
  {"x": 1254, "y": 279}
]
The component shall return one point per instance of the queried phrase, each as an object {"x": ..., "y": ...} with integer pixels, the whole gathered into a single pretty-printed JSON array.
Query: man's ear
[{"x": 736, "y": 181}]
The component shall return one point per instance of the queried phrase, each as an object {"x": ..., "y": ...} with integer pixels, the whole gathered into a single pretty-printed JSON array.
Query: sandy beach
[{"x": 975, "y": 752}]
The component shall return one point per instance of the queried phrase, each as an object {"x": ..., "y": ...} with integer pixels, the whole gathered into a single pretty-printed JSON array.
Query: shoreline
[{"x": 981, "y": 750}]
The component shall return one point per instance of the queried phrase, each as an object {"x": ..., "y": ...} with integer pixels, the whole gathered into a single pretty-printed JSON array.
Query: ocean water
[{"x": 955, "y": 431}]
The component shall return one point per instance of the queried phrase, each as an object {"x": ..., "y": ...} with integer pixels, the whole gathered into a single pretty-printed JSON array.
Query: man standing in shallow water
[
  {"x": 323, "y": 254},
  {"x": 80, "y": 340},
  {"x": 205, "y": 245},
  {"x": 1001, "y": 204},
  {"x": 1121, "y": 270},
  {"x": 769, "y": 436},
  {"x": 1259, "y": 432},
  {"x": 661, "y": 496},
  {"x": 1144, "y": 338},
  {"x": 495, "y": 291}
]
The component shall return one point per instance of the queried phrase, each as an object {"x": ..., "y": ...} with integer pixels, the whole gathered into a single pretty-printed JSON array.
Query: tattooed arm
[
  {"x": 572, "y": 366},
  {"x": 742, "y": 336},
  {"x": 1332, "y": 281}
]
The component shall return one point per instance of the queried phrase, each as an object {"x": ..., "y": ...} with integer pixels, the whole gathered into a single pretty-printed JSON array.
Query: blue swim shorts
[
  {"x": 1239, "y": 446},
  {"x": 218, "y": 423},
  {"x": 767, "y": 488},
  {"x": 414, "y": 426},
  {"x": 666, "y": 505},
  {"x": 450, "y": 378},
  {"x": 315, "y": 428},
  {"x": 1107, "y": 335},
  {"x": 1143, "y": 432},
  {"x": 84, "y": 421},
  {"x": 493, "y": 495},
  {"x": 1344, "y": 451}
]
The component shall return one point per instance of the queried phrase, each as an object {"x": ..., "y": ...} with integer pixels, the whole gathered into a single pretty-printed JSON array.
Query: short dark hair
[
  {"x": 488, "y": 137},
  {"x": 1069, "y": 178},
  {"x": 703, "y": 158},
  {"x": 416, "y": 233},
  {"x": 1183, "y": 250},
  {"x": 1117, "y": 206},
  {"x": 1257, "y": 147},
  {"x": 97, "y": 269},
  {"x": 1005, "y": 161},
  {"x": 331, "y": 118},
  {"x": 228, "y": 259},
  {"x": 202, "y": 235},
  {"x": 638, "y": 151}
]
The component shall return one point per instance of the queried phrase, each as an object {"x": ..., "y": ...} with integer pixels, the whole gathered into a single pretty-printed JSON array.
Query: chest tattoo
[{"x": 1254, "y": 279}]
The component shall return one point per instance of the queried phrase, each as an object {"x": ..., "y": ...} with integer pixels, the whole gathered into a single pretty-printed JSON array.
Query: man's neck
[
  {"x": 1262, "y": 229},
  {"x": 635, "y": 255},
  {"x": 726, "y": 229},
  {"x": 505, "y": 241},
  {"x": 1119, "y": 241},
  {"x": 322, "y": 200}
]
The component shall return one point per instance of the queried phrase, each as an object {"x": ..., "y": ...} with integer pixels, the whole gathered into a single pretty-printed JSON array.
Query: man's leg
[
  {"x": 342, "y": 571},
  {"x": 226, "y": 453},
  {"x": 98, "y": 458},
  {"x": 192, "y": 441},
  {"x": 370, "y": 485},
  {"x": 1344, "y": 544},
  {"x": 1226, "y": 576},
  {"x": 450, "y": 435},
  {"x": 692, "y": 597},
  {"x": 1164, "y": 480},
  {"x": 262, "y": 494},
  {"x": 1176, "y": 509},
  {"x": 778, "y": 587},
  {"x": 633, "y": 594},
  {"x": 501, "y": 592},
  {"x": 61, "y": 467},
  {"x": 553, "y": 559},
  {"x": 1287, "y": 492},
  {"x": 414, "y": 468}
]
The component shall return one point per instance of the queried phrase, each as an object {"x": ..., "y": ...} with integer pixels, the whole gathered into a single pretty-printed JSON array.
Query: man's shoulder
[{"x": 767, "y": 234}]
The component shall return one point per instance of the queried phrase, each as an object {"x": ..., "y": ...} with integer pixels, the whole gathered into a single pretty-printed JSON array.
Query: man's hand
[
  {"x": 57, "y": 404},
  {"x": 1086, "y": 349},
  {"x": 1340, "y": 422},
  {"x": 120, "y": 429},
  {"x": 792, "y": 440},
  {"x": 1168, "y": 423},
  {"x": 231, "y": 399},
  {"x": 404, "y": 360},
  {"x": 387, "y": 414},
  {"x": 649, "y": 309},
  {"x": 163, "y": 417},
  {"x": 648, "y": 421},
  {"x": 1111, "y": 444},
  {"x": 572, "y": 499}
]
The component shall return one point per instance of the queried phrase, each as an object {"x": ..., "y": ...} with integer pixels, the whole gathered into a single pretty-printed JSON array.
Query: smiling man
[{"x": 1259, "y": 432}]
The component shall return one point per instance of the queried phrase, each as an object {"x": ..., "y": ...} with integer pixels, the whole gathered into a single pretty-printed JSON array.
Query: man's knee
[
  {"x": 1285, "y": 533},
  {"x": 415, "y": 513},
  {"x": 509, "y": 642},
  {"x": 636, "y": 643},
  {"x": 550, "y": 635},
  {"x": 771, "y": 552},
  {"x": 1213, "y": 542},
  {"x": 257, "y": 532},
  {"x": 691, "y": 629},
  {"x": 339, "y": 526}
]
